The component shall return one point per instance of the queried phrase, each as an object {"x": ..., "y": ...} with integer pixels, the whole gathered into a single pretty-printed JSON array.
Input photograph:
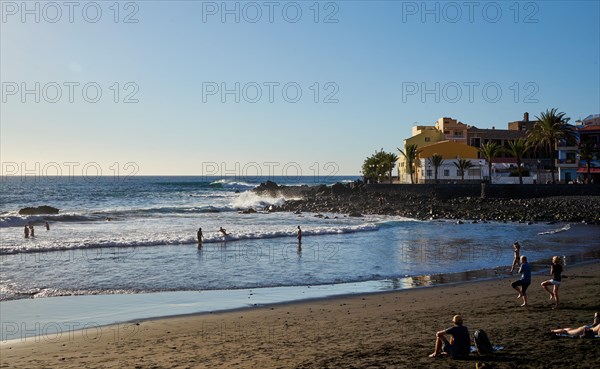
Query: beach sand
[{"x": 383, "y": 330}]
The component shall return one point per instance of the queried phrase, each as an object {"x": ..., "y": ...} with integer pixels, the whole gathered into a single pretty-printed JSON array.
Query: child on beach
[
  {"x": 521, "y": 285},
  {"x": 556, "y": 271},
  {"x": 517, "y": 249},
  {"x": 459, "y": 345}
]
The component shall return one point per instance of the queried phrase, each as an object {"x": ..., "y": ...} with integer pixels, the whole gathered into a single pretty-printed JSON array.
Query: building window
[
  {"x": 446, "y": 172},
  {"x": 429, "y": 173},
  {"x": 474, "y": 172},
  {"x": 475, "y": 141},
  {"x": 458, "y": 172}
]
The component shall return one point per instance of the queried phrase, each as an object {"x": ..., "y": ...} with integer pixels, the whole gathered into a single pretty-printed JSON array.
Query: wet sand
[{"x": 391, "y": 330}]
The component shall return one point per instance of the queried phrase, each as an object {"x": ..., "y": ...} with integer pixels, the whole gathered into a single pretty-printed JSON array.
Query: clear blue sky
[{"x": 373, "y": 57}]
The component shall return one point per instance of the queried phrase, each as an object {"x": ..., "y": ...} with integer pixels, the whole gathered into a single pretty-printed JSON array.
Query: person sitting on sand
[
  {"x": 583, "y": 331},
  {"x": 459, "y": 345},
  {"x": 522, "y": 284},
  {"x": 517, "y": 249},
  {"x": 222, "y": 230},
  {"x": 556, "y": 271}
]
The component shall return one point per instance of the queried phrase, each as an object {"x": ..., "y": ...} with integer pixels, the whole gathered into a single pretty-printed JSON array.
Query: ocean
[{"x": 138, "y": 235}]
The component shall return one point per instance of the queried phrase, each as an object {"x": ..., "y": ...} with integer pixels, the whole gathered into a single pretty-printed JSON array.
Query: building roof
[
  {"x": 589, "y": 128},
  {"x": 500, "y": 134}
]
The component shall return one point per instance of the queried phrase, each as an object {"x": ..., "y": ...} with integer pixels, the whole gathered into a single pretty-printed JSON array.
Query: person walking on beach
[
  {"x": 26, "y": 231},
  {"x": 459, "y": 344},
  {"x": 299, "y": 235},
  {"x": 517, "y": 249},
  {"x": 556, "y": 270},
  {"x": 200, "y": 237},
  {"x": 521, "y": 285},
  {"x": 47, "y": 226},
  {"x": 31, "y": 231}
]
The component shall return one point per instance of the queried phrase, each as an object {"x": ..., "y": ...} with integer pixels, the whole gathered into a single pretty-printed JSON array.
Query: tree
[
  {"x": 410, "y": 153},
  {"x": 378, "y": 165},
  {"x": 490, "y": 151},
  {"x": 436, "y": 160},
  {"x": 587, "y": 151},
  {"x": 551, "y": 128},
  {"x": 391, "y": 160},
  {"x": 517, "y": 149},
  {"x": 463, "y": 165}
]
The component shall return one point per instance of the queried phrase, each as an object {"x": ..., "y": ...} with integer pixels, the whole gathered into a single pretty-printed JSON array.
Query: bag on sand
[{"x": 482, "y": 342}]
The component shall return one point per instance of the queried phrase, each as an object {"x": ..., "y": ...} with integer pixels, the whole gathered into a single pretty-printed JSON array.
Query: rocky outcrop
[
  {"x": 45, "y": 209},
  {"x": 353, "y": 200}
]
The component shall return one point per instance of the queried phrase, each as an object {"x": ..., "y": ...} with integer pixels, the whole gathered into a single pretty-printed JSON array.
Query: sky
[{"x": 275, "y": 88}]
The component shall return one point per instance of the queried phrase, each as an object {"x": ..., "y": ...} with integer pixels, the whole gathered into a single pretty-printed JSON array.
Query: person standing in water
[
  {"x": 556, "y": 270},
  {"x": 47, "y": 226},
  {"x": 299, "y": 235},
  {"x": 517, "y": 249},
  {"x": 200, "y": 237},
  {"x": 26, "y": 231},
  {"x": 31, "y": 231}
]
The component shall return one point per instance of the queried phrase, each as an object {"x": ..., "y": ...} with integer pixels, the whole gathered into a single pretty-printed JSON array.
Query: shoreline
[{"x": 392, "y": 327}]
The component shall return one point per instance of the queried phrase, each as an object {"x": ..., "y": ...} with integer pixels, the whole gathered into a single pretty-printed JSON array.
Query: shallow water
[{"x": 149, "y": 244}]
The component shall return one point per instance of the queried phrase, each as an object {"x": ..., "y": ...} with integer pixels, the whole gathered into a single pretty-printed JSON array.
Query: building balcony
[
  {"x": 455, "y": 138},
  {"x": 596, "y": 146},
  {"x": 567, "y": 163}
]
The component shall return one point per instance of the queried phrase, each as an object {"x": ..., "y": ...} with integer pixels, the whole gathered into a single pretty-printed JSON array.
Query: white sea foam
[
  {"x": 174, "y": 239},
  {"x": 554, "y": 231},
  {"x": 250, "y": 199}
]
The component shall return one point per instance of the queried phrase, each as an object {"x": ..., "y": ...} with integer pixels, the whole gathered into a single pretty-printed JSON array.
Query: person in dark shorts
[
  {"x": 458, "y": 346},
  {"x": 556, "y": 270},
  {"x": 522, "y": 284}
]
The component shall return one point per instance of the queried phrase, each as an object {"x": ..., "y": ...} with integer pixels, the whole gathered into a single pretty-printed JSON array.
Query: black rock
[{"x": 45, "y": 209}]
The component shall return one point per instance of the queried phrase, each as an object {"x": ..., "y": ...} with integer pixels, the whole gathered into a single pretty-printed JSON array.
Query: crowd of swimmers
[
  {"x": 29, "y": 231},
  {"x": 458, "y": 344},
  {"x": 223, "y": 232}
]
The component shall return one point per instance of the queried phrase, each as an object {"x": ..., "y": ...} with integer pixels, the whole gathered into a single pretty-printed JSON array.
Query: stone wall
[{"x": 449, "y": 191}]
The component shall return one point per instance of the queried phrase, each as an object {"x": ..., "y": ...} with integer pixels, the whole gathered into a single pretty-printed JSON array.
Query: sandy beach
[{"x": 384, "y": 330}]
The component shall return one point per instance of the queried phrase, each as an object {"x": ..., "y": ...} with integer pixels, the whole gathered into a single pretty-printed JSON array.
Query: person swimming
[{"x": 223, "y": 231}]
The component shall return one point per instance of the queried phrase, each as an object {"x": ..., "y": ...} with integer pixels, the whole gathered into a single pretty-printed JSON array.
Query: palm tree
[
  {"x": 410, "y": 153},
  {"x": 463, "y": 165},
  {"x": 391, "y": 160},
  {"x": 551, "y": 128},
  {"x": 587, "y": 153},
  {"x": 517, "y": 149},
  {"x": 490, "y": 151},
  {"x": 436, "y": 160}
]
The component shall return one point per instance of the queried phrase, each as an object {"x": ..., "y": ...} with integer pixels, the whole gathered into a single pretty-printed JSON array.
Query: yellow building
[
  {"x": 445, "y": 130},
  {"x": 449, "y": 150}
]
